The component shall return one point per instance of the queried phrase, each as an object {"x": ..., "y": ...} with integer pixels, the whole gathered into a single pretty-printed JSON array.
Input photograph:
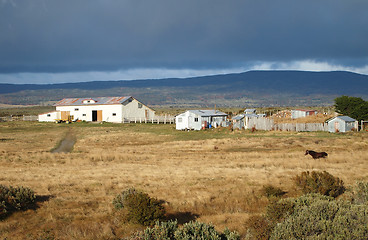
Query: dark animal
[{"x": 316, "y": 155}]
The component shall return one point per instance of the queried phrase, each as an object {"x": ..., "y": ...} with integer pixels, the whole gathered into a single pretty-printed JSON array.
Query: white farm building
[
  {"x": 98, "y": 109},
  {"x": 199, "y": 119},
  {"x": 342, "y": 124}
]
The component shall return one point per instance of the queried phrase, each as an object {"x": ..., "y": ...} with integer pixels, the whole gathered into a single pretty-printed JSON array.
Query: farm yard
[{"x": 213, "y": 176}]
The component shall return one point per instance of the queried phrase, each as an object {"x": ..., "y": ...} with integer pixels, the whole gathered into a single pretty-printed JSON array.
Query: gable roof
[
  {"x": 208, "y": 113},
  {"x": 97, "y": 101},
  {"x": 344, "y": 118}
]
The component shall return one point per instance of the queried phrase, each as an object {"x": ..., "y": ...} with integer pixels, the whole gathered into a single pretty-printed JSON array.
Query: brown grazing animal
[{"x": 316, "y": 155}]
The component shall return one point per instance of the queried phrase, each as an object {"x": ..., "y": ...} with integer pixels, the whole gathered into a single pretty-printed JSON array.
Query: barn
[
  {"x": 299, "y": 113},
  {"x": 98, "y": 109},
  {"x": 199, "y": 119},
  {"x": 342, "y": 124}
]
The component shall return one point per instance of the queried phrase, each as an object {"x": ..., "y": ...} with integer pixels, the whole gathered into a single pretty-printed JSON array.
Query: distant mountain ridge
[{"x": 257, "y": 85}]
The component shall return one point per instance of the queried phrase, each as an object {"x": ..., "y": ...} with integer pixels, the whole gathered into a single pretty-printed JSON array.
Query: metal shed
[
  {"x": 199, "y": 119},
  {"x": 298, "y": 113},
  {"x": 342, "y": 124}
]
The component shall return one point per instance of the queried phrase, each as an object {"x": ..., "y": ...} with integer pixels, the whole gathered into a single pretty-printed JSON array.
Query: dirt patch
[{"x": 66, "y": 145}]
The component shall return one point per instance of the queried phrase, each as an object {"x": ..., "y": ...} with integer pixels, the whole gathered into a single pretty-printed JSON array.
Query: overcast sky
[{"x": 53, "y": 41}]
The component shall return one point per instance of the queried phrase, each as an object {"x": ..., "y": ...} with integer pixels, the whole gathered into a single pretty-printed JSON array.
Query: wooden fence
[{"x": 268, "y": 125}]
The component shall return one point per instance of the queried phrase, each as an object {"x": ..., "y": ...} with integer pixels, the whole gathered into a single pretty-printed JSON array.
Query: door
[
  {"x": 65, "y": 114},
  {"x": 337, "y": 127},
  {"x": 94, "y": 115},
  {"x": 146, "y": 113},
  {"x": 99, "y": 116}
]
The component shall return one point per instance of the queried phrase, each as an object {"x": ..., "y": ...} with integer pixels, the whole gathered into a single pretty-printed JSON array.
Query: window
[
  {"x": 49, "y": 115},
  {"x": 84, "y": 115},
  {"x": 76, "y": 109},
  {"x": 180, "y": 119},
  {"x": 195, "y": 119},
  {"x": 139, "y": 105},
  {"x": 114, "y": 114}
]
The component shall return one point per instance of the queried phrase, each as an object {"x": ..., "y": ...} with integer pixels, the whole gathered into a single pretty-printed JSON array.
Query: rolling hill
[{"x": 253, "y": 88}]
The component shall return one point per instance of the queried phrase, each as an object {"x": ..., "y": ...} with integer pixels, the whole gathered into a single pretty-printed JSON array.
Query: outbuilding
[
  {"x": 98, "y": 109},
  {"x": 299, "y": 113},
  {"x": 200, "y": 119},
  {"x": 342, "y": 124},
  {"x": 242, "y": 120}
]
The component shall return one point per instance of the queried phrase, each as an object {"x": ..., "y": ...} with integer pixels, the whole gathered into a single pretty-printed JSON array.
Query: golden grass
[
  {"x": 216, "y": 179},
  {"x": 318, "y": 118}
]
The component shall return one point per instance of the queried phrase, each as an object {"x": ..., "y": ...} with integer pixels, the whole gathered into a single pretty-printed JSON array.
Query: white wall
[
  {"x": 84, "y": 113},
  {"x": 341, "y": 125},
  {"x": 49, "y": 117},
  {"x": 182, "y": 121},
  {"x": 188, "y": 121},
  {"x": 110, "y": 113},
  {"x": 136, "y": 109}
]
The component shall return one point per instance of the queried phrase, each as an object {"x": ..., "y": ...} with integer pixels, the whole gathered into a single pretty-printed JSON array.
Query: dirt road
[{"x": 67, "y": 144}]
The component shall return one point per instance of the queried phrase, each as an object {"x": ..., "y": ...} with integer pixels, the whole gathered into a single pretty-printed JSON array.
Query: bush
[
  {"x": 120, "y": 200},
  {"x": 277, "y": 211},
  {"x": 259, "y": 227},
  {"x": 359, "y": 194},
  {"x": 163, "y": 230},
  {"x": 320, "y": 182},
  {"x": 271, "y": 191},
  {"x": 139, "y": 207},
  {"x": 15, "y": 199},
  {"x": 197, "y": 230},
  {"x": 323, "y": 218},
  {"x": 192, "y": 230}
]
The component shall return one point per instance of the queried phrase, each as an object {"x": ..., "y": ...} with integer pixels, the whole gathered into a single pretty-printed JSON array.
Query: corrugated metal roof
[
  {"x": 96, "y": 101},
  {"x": 252, "y": 110},
  {"x": 346, "y": 118},
  {"x": 208, "y": 113},
  {"x": 238, "y": 117},
  {"x": 304, "y": 110}
]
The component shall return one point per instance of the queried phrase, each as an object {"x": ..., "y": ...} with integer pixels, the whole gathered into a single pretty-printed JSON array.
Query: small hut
[{"x": 342, "y": 124}]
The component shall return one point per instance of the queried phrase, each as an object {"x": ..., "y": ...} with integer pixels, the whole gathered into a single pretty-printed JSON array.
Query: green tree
[{"x": 354, "y": 107}]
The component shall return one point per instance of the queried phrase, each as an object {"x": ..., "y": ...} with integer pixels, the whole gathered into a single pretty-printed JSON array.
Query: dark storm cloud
[{"x": 67, "y": 36}]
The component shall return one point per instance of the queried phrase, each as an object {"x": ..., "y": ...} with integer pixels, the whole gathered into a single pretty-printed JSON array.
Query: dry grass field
[{"x": 214, "y": 176}]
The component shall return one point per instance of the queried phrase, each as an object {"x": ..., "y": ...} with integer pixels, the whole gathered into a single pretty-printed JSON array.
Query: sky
[{"x": 53, "y": 41}]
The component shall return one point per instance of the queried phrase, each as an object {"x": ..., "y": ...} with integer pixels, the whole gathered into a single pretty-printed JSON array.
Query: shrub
[
  {"x": 15, "y": 199},
  {"x": 163, "y": 230},
  {"x": 271, "y": 191},
  {"x": 199, "y": 230},
  {"x": 259, "y": 227},
  {"x": 120, "y": 200},
  {"x": 277, "y": 211},
  {"x": 323, "y": 218},
  {"x": 320, "y": 182},
  {"x": 192, "y": 230},
  {"x": 359, "y": 194},
  {"x": 140, "y": 208}
]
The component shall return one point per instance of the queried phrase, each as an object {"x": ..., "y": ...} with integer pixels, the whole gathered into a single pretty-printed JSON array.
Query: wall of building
[
  {"x": 341, "y": 125},
  {"x": 189, "y": 120},
  {"x": 110, "y": 113},
  {"x": 136, "y": 109},
  {"x": 49, "y": 117}
]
